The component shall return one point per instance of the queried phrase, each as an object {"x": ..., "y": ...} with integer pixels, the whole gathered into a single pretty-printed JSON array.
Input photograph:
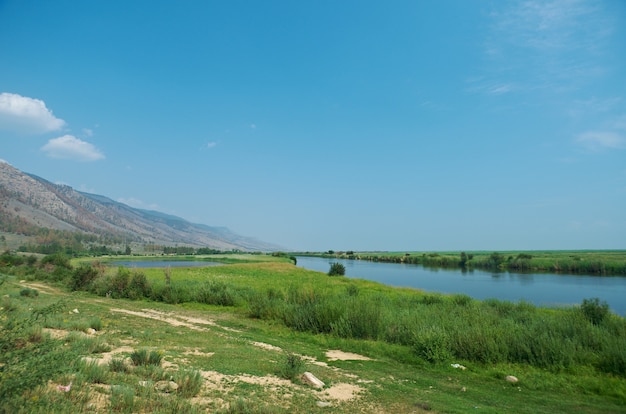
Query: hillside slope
[{"x": 26, "y": 199}]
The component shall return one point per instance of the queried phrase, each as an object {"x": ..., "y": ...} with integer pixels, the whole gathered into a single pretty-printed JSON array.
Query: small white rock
[
  {"x": 75, "y": 311},
  {"x": 312, "y": 380},
  {"x": 511, "y": 379},
  {"x": 323, "y": 404},
  {"x": 91, "y": 331}
]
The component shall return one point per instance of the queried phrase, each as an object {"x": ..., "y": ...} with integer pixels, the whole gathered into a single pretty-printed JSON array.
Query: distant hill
[{"x": 28, "y": 200}]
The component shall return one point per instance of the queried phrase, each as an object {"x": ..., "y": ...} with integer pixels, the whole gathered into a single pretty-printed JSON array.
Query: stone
[
  {"x": 91, "y": 331},
  {"x": 312, "y": 380},
  {"x": 166, "y": 386},
  {"x": 323, "y": 404},
  {"x": 511, "y": 379}
]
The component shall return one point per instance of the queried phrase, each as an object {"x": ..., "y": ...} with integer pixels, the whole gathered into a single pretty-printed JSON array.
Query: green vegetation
[
  {"x": 612, "y": 262},
  {"x": 235, "y": 332},
  {"x": 337, "y": 269}
]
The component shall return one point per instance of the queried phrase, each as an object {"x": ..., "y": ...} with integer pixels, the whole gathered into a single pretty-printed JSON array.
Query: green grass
[{"x": 227, "y": 356}]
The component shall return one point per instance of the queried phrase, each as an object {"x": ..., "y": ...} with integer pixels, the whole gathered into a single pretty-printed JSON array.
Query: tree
[{"x": 337, "y": 269}]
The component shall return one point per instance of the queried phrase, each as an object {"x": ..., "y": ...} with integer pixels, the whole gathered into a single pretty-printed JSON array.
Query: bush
[
  {"x": 594, "y": 310},
  {"x": 337, "y": 269},
  {"x": 93, "y": 372},
  {"x": 82, "y": 277},
  {"x": 122, "y": 399},
  {"x": 216, "y": 293},
  {"x": 28, "y": 292},
  {"x": 139, "y": 287},
  {"x": 189, "y": 383},
  {"x": 432, "y": 344},
  {"x": 145, "y": 357},
  {"x": 290, "y": 366},
  {"x": 118, "y": 365}
]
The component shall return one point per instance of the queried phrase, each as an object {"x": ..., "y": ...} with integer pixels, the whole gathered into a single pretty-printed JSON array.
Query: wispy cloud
[
  {"x": 27, "y": 115},
  {"x": 601, "y": 140},
  {"x": 538, "y": 44},
  {"x": 71, "y": 148},
  {"x": 211, "y": 144}
]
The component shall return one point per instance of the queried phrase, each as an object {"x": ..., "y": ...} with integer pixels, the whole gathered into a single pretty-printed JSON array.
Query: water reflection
[{"x": 538, "y": 288}]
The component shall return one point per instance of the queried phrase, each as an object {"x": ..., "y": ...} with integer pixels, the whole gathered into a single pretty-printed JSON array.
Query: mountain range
[{"x": 28, "y": 200}]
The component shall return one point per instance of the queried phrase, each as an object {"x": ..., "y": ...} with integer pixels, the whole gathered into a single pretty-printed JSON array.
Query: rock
[
  {"x": 511, "y": 379},
  {"x": 166, "y": 386},
  {"x": 459, "y": 366},
  {"x": 91, "y": 331},
  {"x": 312, "y": 380},
  {"x": 323, "y": 404},
  {"x": 463, "y": 389},
  {"x": 75, "y": 311}
]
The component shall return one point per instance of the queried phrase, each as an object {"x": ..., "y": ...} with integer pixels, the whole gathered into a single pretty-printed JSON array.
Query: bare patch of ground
[
  {"x": 224, "y": 384},
  {"x": 160, "y": 316},
  {"x": 341, "y": 392},
  {"x": 337, "y": 355},
  {"x": 56, "y": 333},
  {"x": 197, "y": 352},
  {"x": 40, "y": 287},
  {"x": 108, "y": 356},
  {"x": 267, "y": 346}
]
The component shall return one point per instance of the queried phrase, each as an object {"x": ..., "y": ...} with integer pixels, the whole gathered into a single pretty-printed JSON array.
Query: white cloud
[
  {"x": 252, "y": 126},
  {"x": 26, "y": 115},
  {"x": 72, "y": 148},
  {"x": 211, "y": 144},
  {"x": 599, "y": 140}
]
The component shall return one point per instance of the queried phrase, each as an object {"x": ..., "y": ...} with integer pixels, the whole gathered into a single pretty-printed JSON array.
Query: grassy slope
[{"x": 394, "y": 381}]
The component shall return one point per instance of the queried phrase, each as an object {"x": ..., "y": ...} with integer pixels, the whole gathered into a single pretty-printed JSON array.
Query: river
[{"x": 541, "y": 289}]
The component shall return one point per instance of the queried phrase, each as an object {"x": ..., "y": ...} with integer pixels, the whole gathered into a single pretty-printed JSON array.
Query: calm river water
[{"x": 537, "y": 288}]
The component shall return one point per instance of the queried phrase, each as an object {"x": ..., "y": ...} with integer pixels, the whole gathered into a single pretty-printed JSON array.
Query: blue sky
[{"x": 345, "y": 125}]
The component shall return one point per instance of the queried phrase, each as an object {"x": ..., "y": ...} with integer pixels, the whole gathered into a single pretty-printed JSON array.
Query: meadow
[{"x": 236, "y": 339}]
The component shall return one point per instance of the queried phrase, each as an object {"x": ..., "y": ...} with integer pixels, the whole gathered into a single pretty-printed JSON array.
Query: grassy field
[{"x": 237, "y": 338}]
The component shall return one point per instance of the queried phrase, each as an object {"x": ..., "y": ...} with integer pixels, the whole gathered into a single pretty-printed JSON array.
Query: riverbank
[
  {"x": 234, "y": 322},
  {"x": 588, "y": 262}
]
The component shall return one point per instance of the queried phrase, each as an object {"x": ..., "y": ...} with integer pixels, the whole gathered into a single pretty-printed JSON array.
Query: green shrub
[
  {"x": 594, "y": 310},
  {"x": 122, "y": 399},
  {"x": 139, "y": 287},
  {"x": 95, "y": 323},
  {"x": 118, "y": 365},
  {"x": 145, "y": 357},
  {"x": 352, "y": 290},
  {"x": 28, "y": 292},
  {"x": 461, "y": 299},
  {"x": 92, "y": 372},
  {"x": 432, "y": 344},
  {"x": 216, "y": 293},
  {"x": 57, "y": 259},
  {"x": 336, "y": 269},
  {"x": 120, "y": 282},
  {"x": 189, "y": 383},
  {"x": 290, "y": 366},
  {"x": 83, "y": 276}
]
